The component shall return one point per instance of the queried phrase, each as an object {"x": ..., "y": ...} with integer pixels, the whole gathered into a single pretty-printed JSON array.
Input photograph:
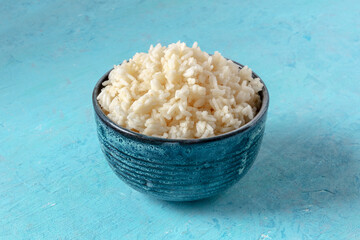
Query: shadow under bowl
[{"x": 180, "y": 169}]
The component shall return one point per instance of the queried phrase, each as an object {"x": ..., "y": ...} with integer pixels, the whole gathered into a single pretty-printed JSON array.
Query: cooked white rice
[{"x": 180, "y": 92}]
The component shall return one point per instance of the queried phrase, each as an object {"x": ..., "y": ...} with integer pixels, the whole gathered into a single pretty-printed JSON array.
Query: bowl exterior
[{"x": 180, "y": 171}]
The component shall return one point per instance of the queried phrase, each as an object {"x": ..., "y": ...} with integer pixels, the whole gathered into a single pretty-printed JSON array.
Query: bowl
[{"x": 180, "y": 169}]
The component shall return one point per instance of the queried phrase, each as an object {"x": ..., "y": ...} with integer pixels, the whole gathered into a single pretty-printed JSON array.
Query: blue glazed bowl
[{"x": 180, "y": 170}]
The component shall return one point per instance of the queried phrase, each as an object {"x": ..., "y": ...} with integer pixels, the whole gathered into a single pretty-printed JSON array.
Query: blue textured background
[{"x": 55, "y": 182}]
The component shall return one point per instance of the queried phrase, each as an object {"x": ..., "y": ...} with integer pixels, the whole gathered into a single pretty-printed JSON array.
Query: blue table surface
[{"x": 55, "y": 182}]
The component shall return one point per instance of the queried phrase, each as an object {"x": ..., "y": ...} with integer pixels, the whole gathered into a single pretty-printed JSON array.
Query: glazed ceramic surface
[{"x": 180, "y": 170}]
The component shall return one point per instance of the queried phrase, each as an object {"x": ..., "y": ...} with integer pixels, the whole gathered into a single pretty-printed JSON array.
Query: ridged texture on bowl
[{"x": 180, "y": 171}]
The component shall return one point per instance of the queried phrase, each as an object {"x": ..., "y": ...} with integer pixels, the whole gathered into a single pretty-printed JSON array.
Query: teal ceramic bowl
[{"x": 180, "y": 170}]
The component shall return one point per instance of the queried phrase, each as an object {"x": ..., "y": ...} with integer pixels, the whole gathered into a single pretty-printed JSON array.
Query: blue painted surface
[{"x": 54, "y": 180}]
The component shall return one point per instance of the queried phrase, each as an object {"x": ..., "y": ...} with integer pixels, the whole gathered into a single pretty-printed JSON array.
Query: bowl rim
[{"x": 263, "y": 110}]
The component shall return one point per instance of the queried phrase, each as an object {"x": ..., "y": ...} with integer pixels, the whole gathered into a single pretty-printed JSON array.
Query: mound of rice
[{"x": 180, "y": 92}]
